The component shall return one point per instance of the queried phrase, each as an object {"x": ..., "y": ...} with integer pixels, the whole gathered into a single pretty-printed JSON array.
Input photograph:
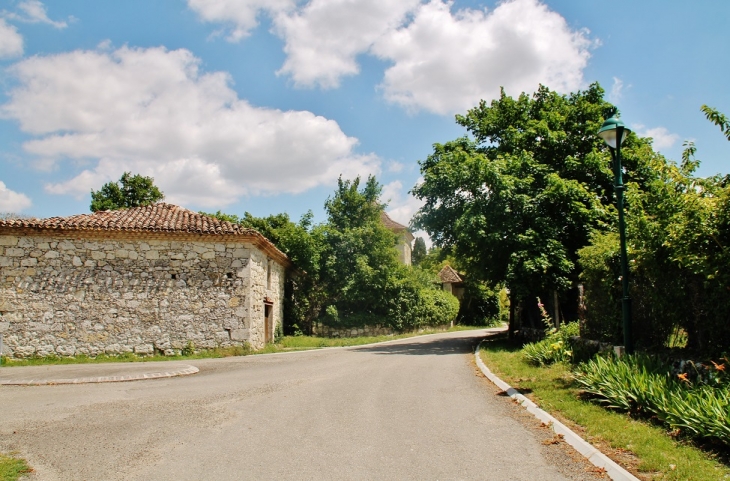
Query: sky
[{"x": 260, "y": 105}]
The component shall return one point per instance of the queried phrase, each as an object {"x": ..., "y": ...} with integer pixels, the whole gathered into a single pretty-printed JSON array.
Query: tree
[
  {"x": 129, "y": 191},
  {"x": 360, "y": 256},
  {"x": 348, "y": 273},
  {"x": 419, "y": 251},
  {"x": 516, "y": 203},
  {"x": 718, "y": 119}
]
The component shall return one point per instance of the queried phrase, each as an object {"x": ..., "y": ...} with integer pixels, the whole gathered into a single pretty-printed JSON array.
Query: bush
[
  {"x": 644, "y": 386},
  {"x": 414, "y": 302},
  {"x": 556, "y": 347},
  {"x": 480, "y": 305}
]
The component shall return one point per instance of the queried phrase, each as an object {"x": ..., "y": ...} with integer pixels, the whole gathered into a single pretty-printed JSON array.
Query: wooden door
[{"x": 268, "y": 325}]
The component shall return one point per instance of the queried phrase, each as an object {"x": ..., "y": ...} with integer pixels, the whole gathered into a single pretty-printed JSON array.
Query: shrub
[
  {"x": 644, "y": 386},
  {"x": 556, "y": 347},
  {"x": 480, "y": 305}
]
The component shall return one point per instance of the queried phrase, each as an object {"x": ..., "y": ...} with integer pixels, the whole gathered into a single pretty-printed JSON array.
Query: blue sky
[{"x": 259, "y": 105}]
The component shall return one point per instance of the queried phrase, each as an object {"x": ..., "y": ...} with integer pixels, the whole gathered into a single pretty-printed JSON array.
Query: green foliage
[
  {"x": 652, "y": 453},
  {"x": 557, "y": 344},
  {"x": 414, "y": 301},
  {"x": 678, "y": 231},
  {"x": 419, "y": 251},
  {"x": 644, "y": 386},
  {"x": 348, "y": 273},
  {"x": 188, "y": 350},
  {"x": 129, "y": 191},
  {"x": 480, "y": 305},
  {"x": 504, "y": 305},
  {"x": 718, "y": 119},
  {"x": 12, "y": 468},
  {"x": 517, "y": 202}
]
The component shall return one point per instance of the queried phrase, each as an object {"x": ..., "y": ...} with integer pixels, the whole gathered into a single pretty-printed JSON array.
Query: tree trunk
[{"x": 511, "y": 328}]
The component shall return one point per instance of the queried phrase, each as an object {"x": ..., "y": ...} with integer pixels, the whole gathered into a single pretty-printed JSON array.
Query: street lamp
[{"x": 613, "y": 132}]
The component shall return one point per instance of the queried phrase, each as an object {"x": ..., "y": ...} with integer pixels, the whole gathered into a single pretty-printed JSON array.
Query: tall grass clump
[
  {"x": 692, "y": 400},
  {"x": 556, "y": 346}
]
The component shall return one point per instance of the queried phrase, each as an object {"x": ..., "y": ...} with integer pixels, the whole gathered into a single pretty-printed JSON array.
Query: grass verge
[
  {"x": 646, "y": 450},
  {"x": 285, "y": 344},
  {"x": 11, "y": 468}
]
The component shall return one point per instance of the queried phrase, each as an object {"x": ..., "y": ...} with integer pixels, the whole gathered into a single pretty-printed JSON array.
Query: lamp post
[{"x": 613, "y": 132}]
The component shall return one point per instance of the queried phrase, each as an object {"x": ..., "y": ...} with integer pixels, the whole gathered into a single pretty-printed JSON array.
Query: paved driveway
[{"x": 411, "y": 409}]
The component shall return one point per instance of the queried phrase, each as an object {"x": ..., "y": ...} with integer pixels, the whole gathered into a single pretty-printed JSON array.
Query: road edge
[
  {"x": 90, "y": 380},
  {"x": 587, "y": 450}
]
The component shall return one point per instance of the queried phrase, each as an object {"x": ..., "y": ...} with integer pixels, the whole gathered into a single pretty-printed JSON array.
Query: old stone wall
[
  {"x": 69, "y": 296},
  {"x": 365, "y": 331}
]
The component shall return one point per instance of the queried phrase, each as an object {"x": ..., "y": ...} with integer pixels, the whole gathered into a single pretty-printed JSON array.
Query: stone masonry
[{"x": 69, "y": 291}]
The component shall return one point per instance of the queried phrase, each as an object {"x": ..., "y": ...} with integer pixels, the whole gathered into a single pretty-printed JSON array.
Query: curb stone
[
  {"x": 86, "y": 380},
  {"x": 587, "y": 450}
]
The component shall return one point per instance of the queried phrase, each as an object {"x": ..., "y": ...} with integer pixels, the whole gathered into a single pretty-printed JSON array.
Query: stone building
[
  {"x": 150, "y": 279},
  {"x": 405, "y": 238}
]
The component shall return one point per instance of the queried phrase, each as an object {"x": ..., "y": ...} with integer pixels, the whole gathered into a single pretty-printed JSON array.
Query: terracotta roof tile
[
  {"x": 151, "y": 218},
  {"x": 155, "y": 218},
  {"x": 394, "y": 226},
  {"x": 448, "y": 274}
]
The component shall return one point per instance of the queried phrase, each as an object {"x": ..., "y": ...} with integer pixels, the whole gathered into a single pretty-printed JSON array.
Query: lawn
[{"x": 646, "y": 450}]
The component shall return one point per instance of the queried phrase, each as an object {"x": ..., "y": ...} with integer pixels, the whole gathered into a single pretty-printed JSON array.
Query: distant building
[
  {"x": 405, "y": 238},
  {"x": 152, "y": 279},
  {"x": 451, "y": 282}
]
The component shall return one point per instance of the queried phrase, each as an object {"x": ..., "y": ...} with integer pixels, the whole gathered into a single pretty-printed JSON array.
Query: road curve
[{"x": 410, "y": 409}]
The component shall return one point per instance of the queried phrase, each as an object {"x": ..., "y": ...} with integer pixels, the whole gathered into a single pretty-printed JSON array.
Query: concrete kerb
[
  {"x": 587, "y": 450},
  {"x": 86, "y": 380}
]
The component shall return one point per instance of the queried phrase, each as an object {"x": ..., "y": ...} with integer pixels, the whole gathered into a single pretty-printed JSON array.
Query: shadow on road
[{"x": 431, "y": 347}]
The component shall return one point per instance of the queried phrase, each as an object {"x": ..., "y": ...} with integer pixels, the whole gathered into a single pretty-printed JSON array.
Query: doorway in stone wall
[{"x": 268, "y": 324}]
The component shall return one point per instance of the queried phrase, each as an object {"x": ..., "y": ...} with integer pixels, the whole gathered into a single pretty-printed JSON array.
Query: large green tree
[
  {"x": 517, "y": 200},
  {"x": 130, "y": 191}
]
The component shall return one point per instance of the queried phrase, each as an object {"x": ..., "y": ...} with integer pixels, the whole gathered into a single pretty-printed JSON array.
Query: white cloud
[
  {"x": 443, "y": 61},
  {"x": 324, "y": 37},
  {"x": 11, "y": 42},
  {"x": 394, "y": 166},
  {"x": 446, "y": 62},
  {"x": 239, "y": 15},
  {"x": 151, "y": 111},
  {"x": 662, "y": 138},
  {"x": 617, "y": 90},
  {"x": 11, "y": 201},
  {"x": 33, "y": 11}
]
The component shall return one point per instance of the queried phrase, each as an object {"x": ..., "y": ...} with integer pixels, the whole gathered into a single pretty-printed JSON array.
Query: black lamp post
[{"x": 613, "y": 132}]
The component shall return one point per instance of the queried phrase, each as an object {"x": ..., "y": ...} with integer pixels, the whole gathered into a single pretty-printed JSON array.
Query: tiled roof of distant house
[
  {"x": 448, "y": 274},
  {"x": 394, "y": 226},
  {"x": 150, "y": 220}
]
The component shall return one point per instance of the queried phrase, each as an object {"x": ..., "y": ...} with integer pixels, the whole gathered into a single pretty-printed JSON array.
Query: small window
[
  {"x": 174, "y": 276},
  {"x": 229, "y": 275}
]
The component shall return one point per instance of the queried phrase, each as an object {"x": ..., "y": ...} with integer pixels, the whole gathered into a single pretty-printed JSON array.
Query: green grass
[
  {"x": 11, "y": 468},
  {"x": 657, "y": 455},
  {"x": 285, "y": 344}
]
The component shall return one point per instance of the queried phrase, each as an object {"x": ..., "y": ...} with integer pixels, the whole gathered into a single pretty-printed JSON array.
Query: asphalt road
[{"x": 412, "y": 409}]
